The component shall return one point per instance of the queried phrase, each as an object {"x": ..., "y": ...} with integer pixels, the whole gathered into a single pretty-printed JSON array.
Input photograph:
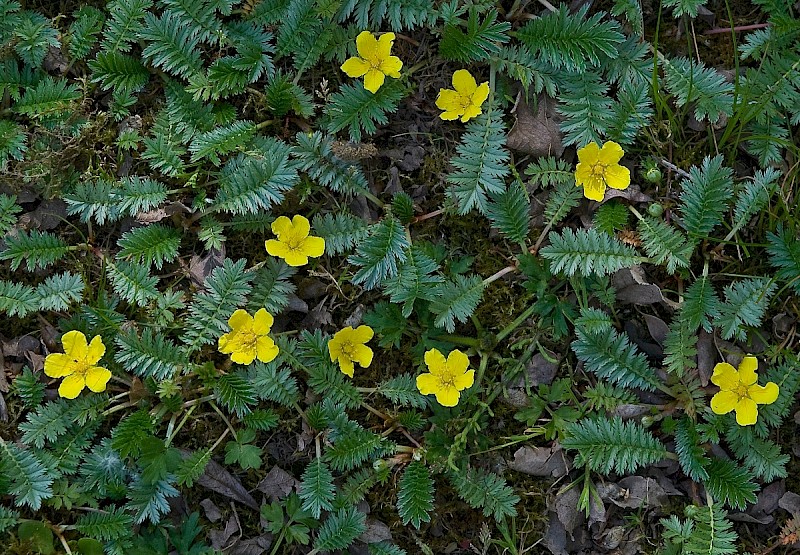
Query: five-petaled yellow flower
[
  {"x": 348, "y": 346},
  {"x": 599, "y": 167},
  {"x": 249, "y": 338},
  {"x": 740, "y": 392},
  {"x": 77, "y": 365},
  {"x": 294, "y": 244},
  {"x": 465, "y": 101},
  {"x": 446, "y": 377},
  {"x": 374, "y": 60}
]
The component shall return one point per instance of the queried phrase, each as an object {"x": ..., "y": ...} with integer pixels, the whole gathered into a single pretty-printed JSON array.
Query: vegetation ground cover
[{"x": 399, "y": 276}]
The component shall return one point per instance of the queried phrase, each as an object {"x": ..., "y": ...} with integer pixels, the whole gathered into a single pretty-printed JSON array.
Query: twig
[
  {"x": 720, "y": 30},
  {"x": 674, "y": 168}
]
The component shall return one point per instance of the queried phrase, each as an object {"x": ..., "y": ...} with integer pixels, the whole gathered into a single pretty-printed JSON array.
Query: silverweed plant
[{"x": 317, "y": 244}]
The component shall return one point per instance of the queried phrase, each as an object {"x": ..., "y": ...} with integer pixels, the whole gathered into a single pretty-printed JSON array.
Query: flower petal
[
  {"x": 724, "y": 402},
  {"x": 385, "y": 42},
  {"x": 225, "y": 343},
  {"x": 428, "y": 383},
  {"x": 295, "y": 258},
  {"x": 74, "y": 343},
  {"x": 763, "y": 395},
  {"x": 281, "y": 225},
  {"x": 240, "y": 319},
  {"x": 448, "y": 396},
  {"x": 72, "y": 386},
  {"x": 58, "y": 365},
  {"x": 243, "y": 355},
  {"x": 481, "y": 94},
  {"x": 335, "y": 346},
  {"x": 589, "y": 153},
  {"x": 346, "y": 366},
  {"x": 465, "y": 380},
  {"x": 457, "y": 362},
  {"x": 301, "y": 226},
  {"x": 747, "y": 370},
  {"x": 266, "y": 349},
  {"x": 583, "y": 173},
  {"x": 470, "y": 112},
  {"x": 610, "y": 154},
  {"x": 262, "y": 322},
  {"x": 373, "y": 80},
  {"x": 355, "y": 67},
  {"x": 725, "y": 376},
  {"x": 277, "y": 248},
  {"x": 97, "y": 378},
  {"x": 391, "y": 66},
  {"x": 746, "y": 412},
  {"x": 367, "y": 46},
  {"x": 362, "y": 355},
  {"x": 594, "y": 189},
  {"x": 96, "y": 350},
  {"x": 313, "y": 246},
  {"x": 435, "y": 361},
  {"x": 617, "y": 177},
  {"x": 448, "y": 100},
  {"x": 449, "y": 116},
  {"x": 464, "y": 82},
  {"x": 362, "y": 334}
]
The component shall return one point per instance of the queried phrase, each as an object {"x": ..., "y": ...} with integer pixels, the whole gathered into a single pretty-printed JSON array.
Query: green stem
[
  {"x": 460, "y": 340},
  {"x": 174, "y": 432},
  {"x": 505, "y": 332}
]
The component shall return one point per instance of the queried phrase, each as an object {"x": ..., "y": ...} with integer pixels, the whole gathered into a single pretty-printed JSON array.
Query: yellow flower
[
  {"x": 740, "y": 392},
  {"x": 374, "y": 61},
  {"x": 248, "y": 338},
  {"x": 349, "y": 345},
  {"x": 465, "y": 101},
  {"x": 599, "y": 167},
  {"x": 294, "y": 244},
  {"x": 446, "y": 377},
  {"x": 77, "y": 365}
]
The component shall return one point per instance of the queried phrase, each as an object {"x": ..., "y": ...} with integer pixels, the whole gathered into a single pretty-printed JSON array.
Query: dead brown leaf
[
  {"x": 277, "y": 484},
  {"x": 550, "y": 462},
  {"x": 536, "y": 134}
]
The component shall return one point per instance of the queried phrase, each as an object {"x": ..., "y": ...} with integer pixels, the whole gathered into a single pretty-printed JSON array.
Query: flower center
[
  {"x": 448, "y": 380},
  {"x": 81, "y": 366},
  {"x": 347, "y": 349},
  {"x": 742, "y": 391},
  {"x": 248, "y": 339},
  {"x": 598, "y": 170}
]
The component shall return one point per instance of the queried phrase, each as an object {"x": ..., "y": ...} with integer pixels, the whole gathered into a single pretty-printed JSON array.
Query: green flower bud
[
  {"x": 655, "y": 210},
  {"x": 652, "y": 174}
]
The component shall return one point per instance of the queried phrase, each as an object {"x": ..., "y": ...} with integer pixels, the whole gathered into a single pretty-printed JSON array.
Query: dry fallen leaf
[
  {"x": 537, "y": 134},
  {"x": 277, "y": 484}
]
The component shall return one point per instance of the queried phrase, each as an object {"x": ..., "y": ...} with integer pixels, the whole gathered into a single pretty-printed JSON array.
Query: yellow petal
[
  {"x": 240, "y": 320},
  {"x": 74, "y": 343},
  {"x": 335, "y": 346},
  {"x": 266, "y": 349},
  {"x": 281, "y": 225},
  {"x": 747, "y": 370},
  {"x": 724, "y": 402},
  {"x": 362, "y": 334},
  {"x": 448, "y": 396},
  {"x": 583, "y": 173},
  {"x": 725, "y": 376},
  {"x": 428, "y": 383},
  {"x": 72, "y": 386},
  {"x": 391, "y": 66},
  {"x": 746, "y": 412},
  {"x": 313, "y": 246},
  {"x": 470, "y": 112},
  {"x": 362, "y": 355},
  {"x": 448, "y": 100},
  {"x": 457, "y": 362},
  {"x": 224, "y": 344},
  {"x": 449, "y": 116},
  {"x": 243, "y": 356},
  {"x": 96, "y": 350},
  {"x": 464, "y": 83},
  {"x": 610, "y": 154},
  {"x": 589, "y": 154},
  {"x": 367, "y": 46},
  {"x": 481, "y": 94},
  {"x": 301, "y": 226},
  {"x": 58, "y": 365},
  {"x": 763, "y": 395},
  {"x": 262, "y": 322},
  {"x": 346, "y": 366},
  {"x": 385, "y": 42},
  {"x": 295, "y": 258},
  {"x": 465, "y": 380},
  {"x": 277, "y": 248},
  {"x": 97, "y": 378},
  {"x": 435, "y": 362},
  {"x": 617, "y": 177},
  {"x": 594, "y": 189},
  {"x": 373, "y": 80},
  {"x": 355, "y": 67}
]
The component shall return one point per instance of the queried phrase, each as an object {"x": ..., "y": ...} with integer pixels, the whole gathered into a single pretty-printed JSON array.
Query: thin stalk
[{"x": 505, "y": 332}]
